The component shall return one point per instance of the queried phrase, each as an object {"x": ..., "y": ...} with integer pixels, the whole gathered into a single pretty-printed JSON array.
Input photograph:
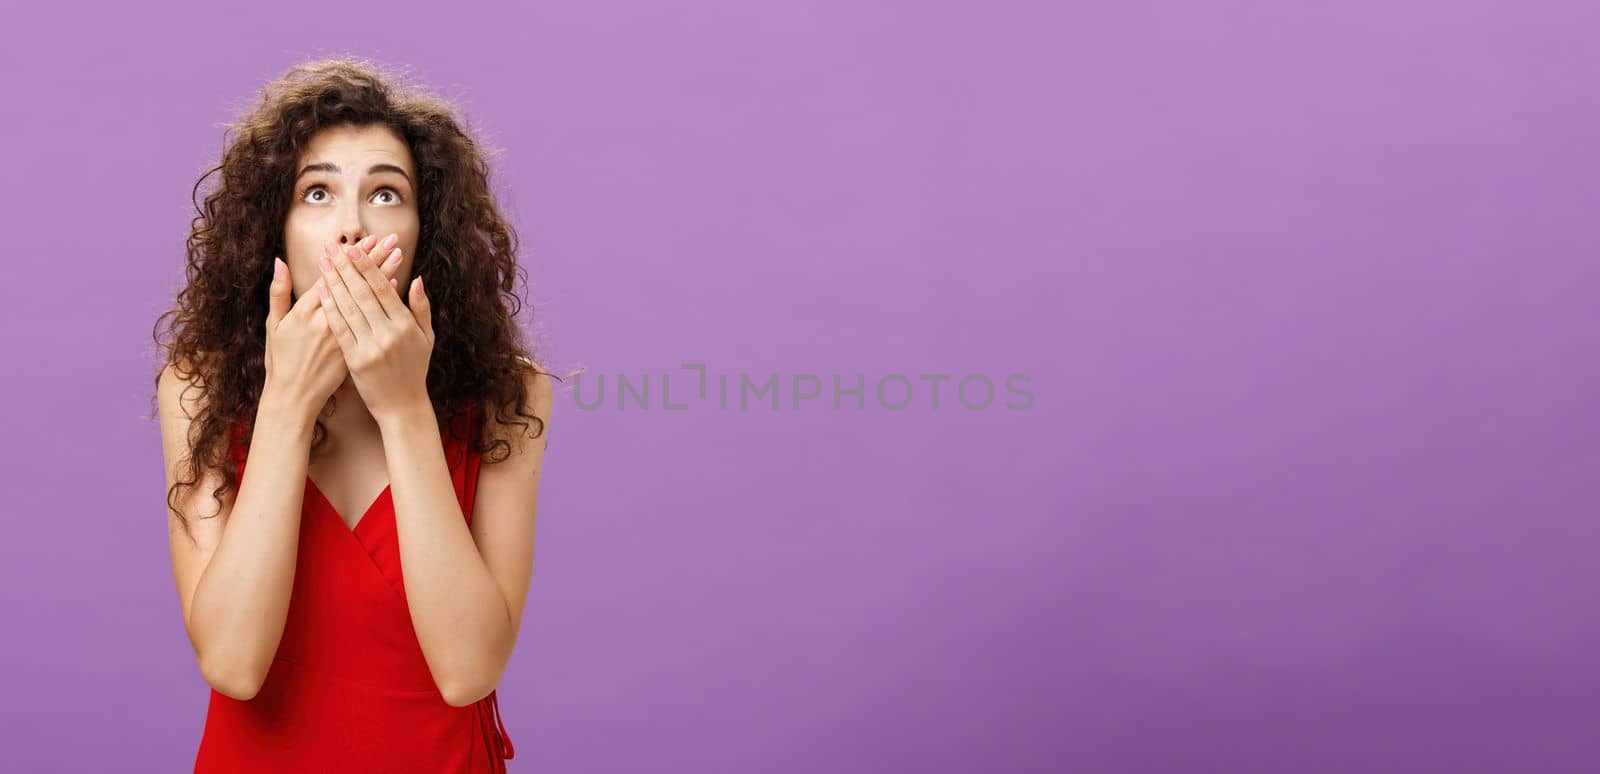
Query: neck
[{"x": 348, "y": 411}]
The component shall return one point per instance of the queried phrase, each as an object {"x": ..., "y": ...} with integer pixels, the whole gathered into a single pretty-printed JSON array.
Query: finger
[
  {"x": 333, "y": 278},
  {"x": 353, "y": 270},
  {"x": 391, "y": 264},
  {"x": 422, "y": 308},
  {"x": 278, "y": 294},
  {"x": 336, "y": 323},
  {"x": 307, "y": 303},
  {"x": 382, "y": 253},
  {"x": 382, "y": 293}
]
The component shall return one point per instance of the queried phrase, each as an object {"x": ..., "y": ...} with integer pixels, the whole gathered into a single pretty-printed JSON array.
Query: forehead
[{"x": 350, "y": 147}]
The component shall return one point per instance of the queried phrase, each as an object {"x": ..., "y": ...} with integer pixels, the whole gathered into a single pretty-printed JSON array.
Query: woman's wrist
[{"x": 283, "y": 404}]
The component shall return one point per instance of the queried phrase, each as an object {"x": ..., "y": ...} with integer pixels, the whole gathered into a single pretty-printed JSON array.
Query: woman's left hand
[{"x": 386, "y": 345}]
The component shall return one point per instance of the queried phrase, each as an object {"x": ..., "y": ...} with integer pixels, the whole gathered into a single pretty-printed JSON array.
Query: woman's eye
[{"x": 394, "y": 196}]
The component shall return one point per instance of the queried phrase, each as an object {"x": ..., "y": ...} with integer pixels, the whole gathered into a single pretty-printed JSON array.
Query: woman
[{"x": 350, "y": 567}]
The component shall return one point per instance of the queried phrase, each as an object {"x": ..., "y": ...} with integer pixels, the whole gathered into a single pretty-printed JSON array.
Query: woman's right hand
[{"x": 303, "y": 359}]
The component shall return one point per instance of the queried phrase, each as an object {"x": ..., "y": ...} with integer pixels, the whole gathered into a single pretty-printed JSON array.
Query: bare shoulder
[
  {"x": 178, "y": 391},
  {"x": 538, "y": 398},
  {"x": 539, "y": 389},
  {"x": 541, "y": 394},
  {"x": 180, "y": 397}
]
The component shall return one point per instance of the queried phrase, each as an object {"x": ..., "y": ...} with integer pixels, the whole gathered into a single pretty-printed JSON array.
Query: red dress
[{"x": 348, "y": 690}]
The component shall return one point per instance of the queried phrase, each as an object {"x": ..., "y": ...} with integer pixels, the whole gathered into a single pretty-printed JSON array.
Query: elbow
[
  {"x": 466, "y": 693},
  {"x": 239, "y": 688},
  {"x": 470, "y": 680},
  {"x": 463, "y": 698},
  {"x": 233, "y": 682}
]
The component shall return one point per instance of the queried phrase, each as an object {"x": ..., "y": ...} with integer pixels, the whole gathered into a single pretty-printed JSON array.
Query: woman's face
[{"x": 351, "y": 183}]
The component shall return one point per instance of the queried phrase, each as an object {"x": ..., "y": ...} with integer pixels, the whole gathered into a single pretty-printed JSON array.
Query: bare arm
[
  {"x": 234, "y": 571},
  {"x": 465, "y": 587}
]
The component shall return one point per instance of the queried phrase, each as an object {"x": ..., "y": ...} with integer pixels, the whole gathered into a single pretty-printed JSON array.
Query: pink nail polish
[{"x": 326, "y": 266}]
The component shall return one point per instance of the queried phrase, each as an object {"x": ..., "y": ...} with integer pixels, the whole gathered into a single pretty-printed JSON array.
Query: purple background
[{"x": 1306, "y": 292}]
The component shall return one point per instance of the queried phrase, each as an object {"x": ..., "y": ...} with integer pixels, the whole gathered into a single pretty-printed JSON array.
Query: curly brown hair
[{"x": 466, "y": 249}]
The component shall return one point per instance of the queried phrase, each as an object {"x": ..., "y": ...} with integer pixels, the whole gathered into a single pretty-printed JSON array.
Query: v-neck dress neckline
[
  {"x": 386, "y": 493},
  {"x": 348, "y": 688}
]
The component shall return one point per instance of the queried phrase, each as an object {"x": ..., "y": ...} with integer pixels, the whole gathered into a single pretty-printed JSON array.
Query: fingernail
[
  {"x": 323, "y": 289},
  {"x": 390, "y": 240},
  {"x": 366, "y": 242},
  {"x": 277, "y": 269},
  {"x": 326, "y": 266},
  {"x": 394, "y": 259}
]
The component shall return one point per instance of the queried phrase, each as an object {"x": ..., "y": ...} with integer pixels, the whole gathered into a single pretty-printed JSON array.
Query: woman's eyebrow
[{"x": 328, "y": 166}]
